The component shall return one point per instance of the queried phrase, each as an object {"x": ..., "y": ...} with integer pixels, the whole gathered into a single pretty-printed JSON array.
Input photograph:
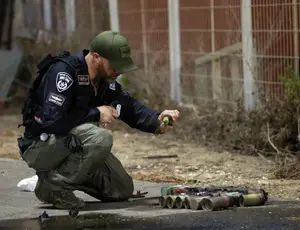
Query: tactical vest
[{"x": 31, "y": 106}]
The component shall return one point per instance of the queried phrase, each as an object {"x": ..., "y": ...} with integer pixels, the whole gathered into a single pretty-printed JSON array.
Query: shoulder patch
[
  {"x": 83, "y": 79},
  {"x": 56, "y": 99},
  {"x": 112, "y": 86},
  {"x": 63, "y": 81}
]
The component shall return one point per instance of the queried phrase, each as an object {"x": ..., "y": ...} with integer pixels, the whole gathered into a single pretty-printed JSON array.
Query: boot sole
[{"x": 58, "y": 204}]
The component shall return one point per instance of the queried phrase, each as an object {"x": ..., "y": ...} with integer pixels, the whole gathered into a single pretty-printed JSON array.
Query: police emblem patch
[
  {"x": 112, "y": 86},
  {"x": 83, "y": 79},
  {"x": 63, "y": 81}
]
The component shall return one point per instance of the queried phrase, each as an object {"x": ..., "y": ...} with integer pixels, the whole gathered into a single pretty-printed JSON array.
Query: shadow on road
[{"x": 142, "y": 203}]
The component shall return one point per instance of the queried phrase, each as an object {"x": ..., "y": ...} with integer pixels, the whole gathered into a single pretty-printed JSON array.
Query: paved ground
[
  {"x": 138, "y": 214},
  {"x": 18, "y": 204}
]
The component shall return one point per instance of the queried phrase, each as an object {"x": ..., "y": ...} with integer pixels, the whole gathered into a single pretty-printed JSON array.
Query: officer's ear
[
  {"x": 97, "y": 59},
  {"x": 95, "y": 55}
]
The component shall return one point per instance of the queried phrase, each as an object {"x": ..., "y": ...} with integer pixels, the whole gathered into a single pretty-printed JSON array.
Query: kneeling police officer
[{"x": 69, "y": 104}]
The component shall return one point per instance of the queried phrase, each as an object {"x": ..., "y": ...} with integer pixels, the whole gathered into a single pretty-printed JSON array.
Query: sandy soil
[{"x": 190, "y": 162}]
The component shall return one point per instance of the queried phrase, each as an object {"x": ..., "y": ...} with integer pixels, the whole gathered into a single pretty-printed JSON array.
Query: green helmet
[{"x": 114, "y": 47}]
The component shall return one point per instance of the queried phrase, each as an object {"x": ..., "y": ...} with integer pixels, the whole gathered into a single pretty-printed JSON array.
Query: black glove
[{"x": 73, "y": 143}]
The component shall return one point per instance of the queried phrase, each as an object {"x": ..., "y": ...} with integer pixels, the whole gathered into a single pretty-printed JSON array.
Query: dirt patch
[
  {"x": 193, "y": 164},
  {"x": 196, "y": 165},
  {"x": 8, "y": 144},
  {"x": 8, "y": 136}
]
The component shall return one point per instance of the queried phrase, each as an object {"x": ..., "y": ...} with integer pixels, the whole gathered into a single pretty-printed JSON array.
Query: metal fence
[
  {"x": 193, "y": 51},
  {"x": 224, "y": 50}
]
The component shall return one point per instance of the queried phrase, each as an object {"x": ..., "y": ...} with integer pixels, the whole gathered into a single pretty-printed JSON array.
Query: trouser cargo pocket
[{"x": 46, "y": 155}]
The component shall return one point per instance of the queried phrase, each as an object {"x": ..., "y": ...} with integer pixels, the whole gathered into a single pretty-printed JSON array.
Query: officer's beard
[{"x": 102, "y": 75}]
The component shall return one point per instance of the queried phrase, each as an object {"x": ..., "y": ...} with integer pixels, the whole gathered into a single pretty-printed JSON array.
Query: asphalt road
[{"x": 20, "y": 210}]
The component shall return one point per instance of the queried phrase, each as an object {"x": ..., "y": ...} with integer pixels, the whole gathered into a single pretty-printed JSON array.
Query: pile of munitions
[{"x": 211, "y": 198}]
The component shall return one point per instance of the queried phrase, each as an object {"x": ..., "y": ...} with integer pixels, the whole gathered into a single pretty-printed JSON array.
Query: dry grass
[
  {"x": 263, "y": 132},
  {"x": 8, "y": 144},
  {"x": 288, "y": 171}
]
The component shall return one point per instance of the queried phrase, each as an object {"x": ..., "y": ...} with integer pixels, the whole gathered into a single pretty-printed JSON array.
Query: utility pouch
[{"x": 23, "y": 144}]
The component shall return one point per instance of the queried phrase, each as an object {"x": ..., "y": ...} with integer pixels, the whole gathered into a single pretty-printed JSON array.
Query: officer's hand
[
  {"x": 108, "y": 114},
  {"x": 173, "y": 113}
]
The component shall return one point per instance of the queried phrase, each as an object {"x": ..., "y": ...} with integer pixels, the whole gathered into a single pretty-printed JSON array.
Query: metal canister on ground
[
  {"x": 254, "y": 199},
  {"x": 195, "y": 202},
  {"x": 186, "y": 202},
  {"x": 207, "y": 194},
  {"x": 216, "y": 203},
  {"x": 235, "y": 197},
  {"x": 258, "y": 190},
  {"x": 179, "y": 201},
  {"x": 171, "y": 201},
  {"x": 162, "y": 200},
  {"x": 191, "y": 190}
]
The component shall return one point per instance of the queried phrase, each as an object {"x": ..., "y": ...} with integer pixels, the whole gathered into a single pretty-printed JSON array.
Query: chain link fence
[
  {"x": 145, "y": 23},
  {"x": 230, "y": 51},
  {"x": 194, "y": 52}
]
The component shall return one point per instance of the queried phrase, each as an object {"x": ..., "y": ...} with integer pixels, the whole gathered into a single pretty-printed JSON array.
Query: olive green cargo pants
[{"x": 96, "y": 171}]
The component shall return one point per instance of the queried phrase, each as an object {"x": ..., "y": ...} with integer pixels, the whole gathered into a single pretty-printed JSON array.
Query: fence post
[
  {"x": 296, "y": 36},
  {"x": 48, "y": 15},
  {"x": 144, "y": 37},
  {"x": 174, "y": 49},
  {"x": 247, "y": 41},
  {"x": 70, "y": 17},
  {"x": 92, "y": 14},
  {"x": 114, "y": 15},
  {"x": 215, "y": 65}
]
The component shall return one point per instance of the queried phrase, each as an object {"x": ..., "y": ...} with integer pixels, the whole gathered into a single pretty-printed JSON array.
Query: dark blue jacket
[{"x": 68, "y": 99}]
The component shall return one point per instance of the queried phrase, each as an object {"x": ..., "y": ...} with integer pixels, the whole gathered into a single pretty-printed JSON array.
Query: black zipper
[{"x": 104, "y": 88}]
